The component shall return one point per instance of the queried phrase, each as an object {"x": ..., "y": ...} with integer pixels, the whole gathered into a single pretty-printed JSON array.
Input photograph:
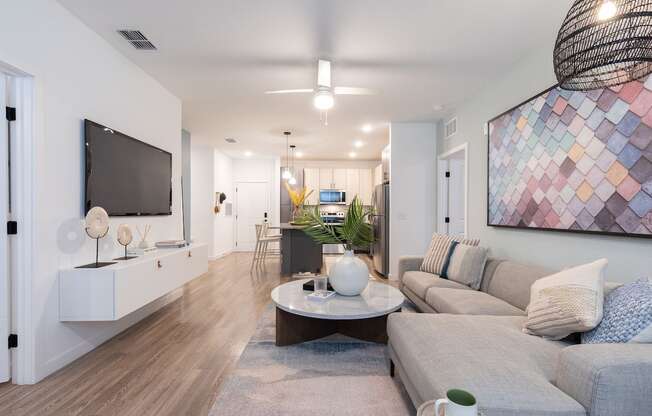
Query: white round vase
[{"x": 349, "y": 275}]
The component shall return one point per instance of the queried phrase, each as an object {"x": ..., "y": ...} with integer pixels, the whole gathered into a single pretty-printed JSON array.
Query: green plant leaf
[{"x": 356, "y": 231}]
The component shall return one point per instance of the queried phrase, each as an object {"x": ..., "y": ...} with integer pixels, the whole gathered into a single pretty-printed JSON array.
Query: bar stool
[{"x": 262, "y": 243}]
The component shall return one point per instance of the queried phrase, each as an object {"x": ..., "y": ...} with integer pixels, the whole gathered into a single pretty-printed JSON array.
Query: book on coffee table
[{"x": 321, "y": 296}]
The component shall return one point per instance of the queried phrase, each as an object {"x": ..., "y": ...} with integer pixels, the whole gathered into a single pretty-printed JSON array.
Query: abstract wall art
[{"x": 574, "y": 161}]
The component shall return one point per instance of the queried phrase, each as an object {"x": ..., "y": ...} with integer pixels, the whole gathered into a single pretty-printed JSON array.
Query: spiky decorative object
[
  {"x": 604, "y": 43},
  {"x": 298, "y": 198}
]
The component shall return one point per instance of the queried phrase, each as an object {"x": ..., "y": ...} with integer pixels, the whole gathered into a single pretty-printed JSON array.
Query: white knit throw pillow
[{"x": 567, "y": 302}]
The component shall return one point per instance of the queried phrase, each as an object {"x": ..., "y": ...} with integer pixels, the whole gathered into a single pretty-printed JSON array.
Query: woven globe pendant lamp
[{"x": 604, "y": 43}]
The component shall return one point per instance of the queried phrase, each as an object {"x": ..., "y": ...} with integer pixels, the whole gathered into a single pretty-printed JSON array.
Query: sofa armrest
[
  {"x": 608, "y": 379},
  {"x": 408, "y": 263}
]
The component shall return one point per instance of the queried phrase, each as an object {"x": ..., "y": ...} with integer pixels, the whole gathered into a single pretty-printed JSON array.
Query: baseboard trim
[
  {"x": 222, "y": 254},
  {"x": 89, "y": 345}
]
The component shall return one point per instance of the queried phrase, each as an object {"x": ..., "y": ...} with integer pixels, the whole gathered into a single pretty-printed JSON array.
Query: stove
[{"x": 332, "y": 217}]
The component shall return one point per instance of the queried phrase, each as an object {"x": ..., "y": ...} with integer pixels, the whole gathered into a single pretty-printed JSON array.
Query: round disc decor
[
  {"x": 125, "y": 236},
  {"x": 97, "y": 222},
  {"x": 604, "y": 43}
]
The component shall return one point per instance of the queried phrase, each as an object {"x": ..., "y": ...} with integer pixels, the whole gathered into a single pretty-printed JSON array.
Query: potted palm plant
[{"x": 350, "y": 275}]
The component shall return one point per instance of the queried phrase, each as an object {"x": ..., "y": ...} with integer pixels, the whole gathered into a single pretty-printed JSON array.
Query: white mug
[{"x": 458, "y": 403}]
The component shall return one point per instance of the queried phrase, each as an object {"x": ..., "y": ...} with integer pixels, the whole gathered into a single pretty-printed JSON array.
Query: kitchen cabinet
[
  {"x": 366, "y": 186},
  {"x": 339, "y": 178},
  {"x": 352, "y": 184},
  {"x": 378, "y": 175},
  {"x": 311, "y": 181},
  {"x": 332, "y": 178},
  {"x": 353, "y": 181},
  {"x": 325, "y": 178}
]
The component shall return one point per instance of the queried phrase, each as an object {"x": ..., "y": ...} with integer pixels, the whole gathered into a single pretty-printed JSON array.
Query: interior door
[
  {"x": 456, "y": 197},
  {"x": 5, "y": 288},
  {"x": 252, "y": 207}
]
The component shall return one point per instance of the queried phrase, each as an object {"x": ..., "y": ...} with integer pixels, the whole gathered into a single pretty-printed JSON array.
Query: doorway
[
  {"x": 252, "y": 207},
  {"x": 453, "y": 191}
]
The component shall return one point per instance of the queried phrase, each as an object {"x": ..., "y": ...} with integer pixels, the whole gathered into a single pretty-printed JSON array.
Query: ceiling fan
[{"x": 324, "y": 92}]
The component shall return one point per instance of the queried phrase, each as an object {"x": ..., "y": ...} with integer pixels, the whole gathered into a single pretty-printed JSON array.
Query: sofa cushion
[
  {"x": 466, "y": 265},
  {"x": 468, "y": 302},
  {"x": 439, "y": 252},
  {"x": 420, "y": 282},
  {"x": 511, "y": 281},
  {"x": 509, "y": 372}
]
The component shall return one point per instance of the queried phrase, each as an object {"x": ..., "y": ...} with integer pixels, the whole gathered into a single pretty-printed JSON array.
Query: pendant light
[
  {"x": 286, "y": 172},
  {"x": 293, "y": 179},
  {"x": 604, "y": 43}
]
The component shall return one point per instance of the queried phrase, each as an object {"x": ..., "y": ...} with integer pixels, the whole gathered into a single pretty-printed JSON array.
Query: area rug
[{"x": 336, "y": 375}]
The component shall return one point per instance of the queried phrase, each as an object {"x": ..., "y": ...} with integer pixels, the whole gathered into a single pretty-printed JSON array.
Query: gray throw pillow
[{"x": 466, "y": 265}]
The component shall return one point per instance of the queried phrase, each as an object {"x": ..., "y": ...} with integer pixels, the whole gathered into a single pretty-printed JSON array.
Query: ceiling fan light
[{"x": 324, "y": 100}]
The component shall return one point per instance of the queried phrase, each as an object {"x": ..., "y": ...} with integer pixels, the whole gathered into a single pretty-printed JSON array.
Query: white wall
[
  {"x": 78, "y": 75},
  {"x": 413, "y": 190},
  {"x": 629, "y": 258},
  {"x": 202, "y": 195},
  {"x": 223, "y": 225}
]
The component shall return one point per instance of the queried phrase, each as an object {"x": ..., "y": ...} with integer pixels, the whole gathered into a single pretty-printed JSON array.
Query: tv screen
[{"x": 126, "y": 176}]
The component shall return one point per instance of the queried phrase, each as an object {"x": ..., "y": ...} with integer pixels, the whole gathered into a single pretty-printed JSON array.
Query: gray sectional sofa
[{"x": 473, "y": 340}]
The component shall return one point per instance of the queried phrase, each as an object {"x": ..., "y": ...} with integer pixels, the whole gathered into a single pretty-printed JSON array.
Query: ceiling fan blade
[
  {"x": 354, "y": 91},
  {"x": 324, "y": 73},
  {"x": 298, "y": 91}
]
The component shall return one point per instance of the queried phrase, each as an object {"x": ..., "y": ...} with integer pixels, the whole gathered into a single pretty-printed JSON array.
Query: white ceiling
[{"x": 219, "y": 56}]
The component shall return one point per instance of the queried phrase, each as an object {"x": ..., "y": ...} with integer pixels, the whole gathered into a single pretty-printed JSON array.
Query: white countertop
[{"x": 378, "y": 299}]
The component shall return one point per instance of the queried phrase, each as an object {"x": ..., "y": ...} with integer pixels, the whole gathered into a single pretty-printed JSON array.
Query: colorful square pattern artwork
[{"x": 575, "y": 161}]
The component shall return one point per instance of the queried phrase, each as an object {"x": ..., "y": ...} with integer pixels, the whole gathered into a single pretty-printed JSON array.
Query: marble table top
[{"x": 378, "y": 299}]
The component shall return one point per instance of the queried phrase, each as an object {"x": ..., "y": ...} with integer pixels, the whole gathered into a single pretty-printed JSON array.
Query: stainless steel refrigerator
[{"x": 380, "y": 249}]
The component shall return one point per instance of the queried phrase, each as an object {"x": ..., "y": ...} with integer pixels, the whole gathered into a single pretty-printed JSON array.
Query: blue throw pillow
[{"x": 627, "y": 316}]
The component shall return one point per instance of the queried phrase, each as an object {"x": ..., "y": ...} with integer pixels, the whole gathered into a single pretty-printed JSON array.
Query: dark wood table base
[{"x": 294, "y": 329}]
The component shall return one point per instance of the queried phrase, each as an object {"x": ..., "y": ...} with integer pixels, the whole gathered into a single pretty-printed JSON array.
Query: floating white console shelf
[{"x": 112, "y": 292}]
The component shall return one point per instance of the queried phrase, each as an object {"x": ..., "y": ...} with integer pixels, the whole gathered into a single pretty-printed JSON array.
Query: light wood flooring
[{"x": 170, "y": 363}]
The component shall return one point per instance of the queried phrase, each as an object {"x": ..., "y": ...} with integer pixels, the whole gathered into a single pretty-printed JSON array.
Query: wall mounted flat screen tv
[{"x": 125, "y": 176}]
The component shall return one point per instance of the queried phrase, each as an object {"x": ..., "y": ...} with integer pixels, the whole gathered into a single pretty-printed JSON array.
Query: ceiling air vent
[
  {"x": 450, "y": 128},
  {"x": 137, "y": 39},
  {"x": 230, "y": 140}
]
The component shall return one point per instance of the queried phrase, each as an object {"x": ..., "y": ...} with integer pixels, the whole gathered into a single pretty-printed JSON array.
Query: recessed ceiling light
[
  {"x": 352, "y": 154},
  {"x": 437, "y": 107},
  {"x": 299, "y": 154},
  {"x": 358, "y": 143},
  {"x": 248, "y": 153},
  {"x": 367, "y": 128}
]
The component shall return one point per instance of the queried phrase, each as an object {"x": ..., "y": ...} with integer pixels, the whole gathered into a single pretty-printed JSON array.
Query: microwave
[{"x": 332, "y": 196}]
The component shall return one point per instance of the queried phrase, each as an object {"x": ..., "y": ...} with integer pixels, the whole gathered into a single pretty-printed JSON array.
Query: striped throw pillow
[{"x": 440, "y": 251}]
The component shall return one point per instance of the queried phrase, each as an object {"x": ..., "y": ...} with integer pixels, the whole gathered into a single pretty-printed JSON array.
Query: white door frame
[
  {"x": 237, "y": 210},
  {"x": 442, "y": 208},
  {"x": 23, "y": 245}
]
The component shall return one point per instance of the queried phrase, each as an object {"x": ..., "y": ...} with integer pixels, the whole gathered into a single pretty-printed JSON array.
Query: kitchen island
[{"x": 299, "y": 252}]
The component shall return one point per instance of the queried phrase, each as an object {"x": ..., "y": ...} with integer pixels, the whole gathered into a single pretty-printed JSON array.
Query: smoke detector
[{"x": 137, "y": 39}]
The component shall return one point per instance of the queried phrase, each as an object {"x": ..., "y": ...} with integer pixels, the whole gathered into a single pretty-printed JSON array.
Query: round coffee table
[{"x": 299, "y": 319}]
